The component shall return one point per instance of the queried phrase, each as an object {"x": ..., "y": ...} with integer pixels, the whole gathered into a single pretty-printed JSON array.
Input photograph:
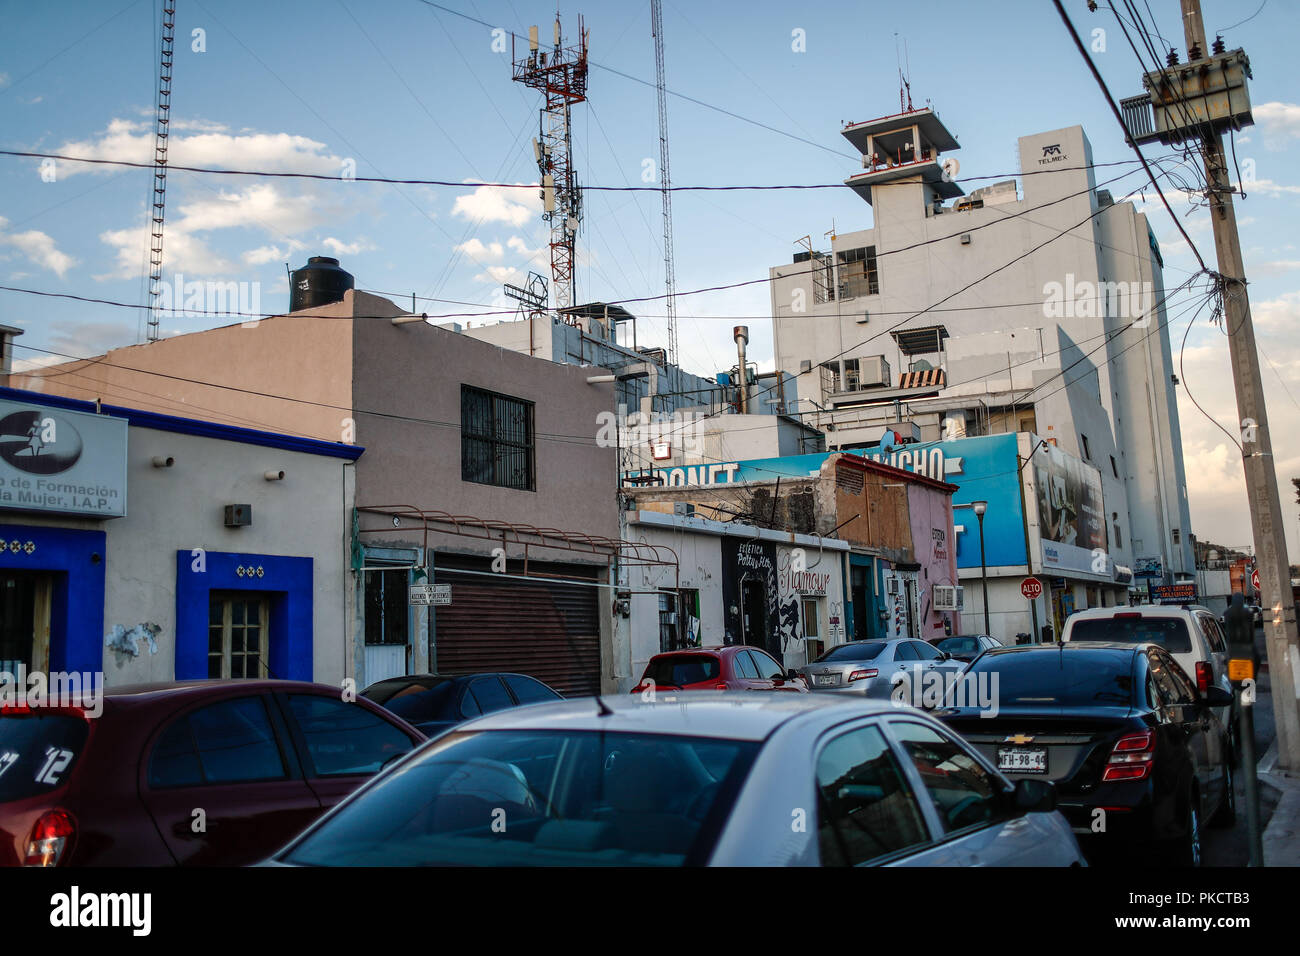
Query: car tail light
[
  {"x": 51, "y": 837},
  {"x": 1127, "y": 614},
  {"x": 863, "y": 674},
  {"x": 720, "y": 685},
  {"x": 1204, "y": 674},
  {"x": 1131, "y": 757}
]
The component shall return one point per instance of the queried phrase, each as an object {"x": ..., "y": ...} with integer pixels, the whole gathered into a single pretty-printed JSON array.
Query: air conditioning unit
[
  {"x": 873, "y": 371},
  {"x": 948, "y": 597}
]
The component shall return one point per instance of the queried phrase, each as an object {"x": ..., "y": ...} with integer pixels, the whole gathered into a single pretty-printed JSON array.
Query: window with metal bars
[
  {"x": 858, "y": 274},
  {"x": 496, "y": 443}
]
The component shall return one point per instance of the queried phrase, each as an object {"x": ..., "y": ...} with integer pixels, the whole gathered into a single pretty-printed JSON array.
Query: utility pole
[{"x": 1266, "y": 517}]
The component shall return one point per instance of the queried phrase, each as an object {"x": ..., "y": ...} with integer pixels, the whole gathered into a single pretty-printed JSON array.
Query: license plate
[
  {"x": 1022, "y": 760},
  {"x": 825, "y": 679}
]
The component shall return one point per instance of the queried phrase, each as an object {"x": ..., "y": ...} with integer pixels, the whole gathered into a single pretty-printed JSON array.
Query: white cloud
[
  {"x": 1277, "y": 121},
  {"x": 39, "y": 248},
  {"x": 185, "y": 245},
  {"x": 499, "y": 204},
  {"x": 341, "y": 248},
  {"x": 479, "y": 251},
  {"x": 209, "y": 145},
  {"x": 1270, "y": 188},
  {"x": 1276, "y": 267}
]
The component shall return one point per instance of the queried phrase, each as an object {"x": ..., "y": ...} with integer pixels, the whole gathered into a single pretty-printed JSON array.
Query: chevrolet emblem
[{"x": 1019, "y": 739}]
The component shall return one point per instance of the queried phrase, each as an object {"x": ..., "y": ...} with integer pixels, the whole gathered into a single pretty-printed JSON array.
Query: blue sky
[{"x": 408, "y": 91}]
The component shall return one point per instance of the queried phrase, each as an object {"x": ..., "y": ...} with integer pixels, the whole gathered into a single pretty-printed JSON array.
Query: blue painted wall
[
  {"x": 288, "y": 584},
  {"x": 77, "y": 609}
]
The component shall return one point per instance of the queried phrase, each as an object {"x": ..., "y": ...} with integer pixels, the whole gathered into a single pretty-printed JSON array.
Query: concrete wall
[{"x": 182, "y": 508}]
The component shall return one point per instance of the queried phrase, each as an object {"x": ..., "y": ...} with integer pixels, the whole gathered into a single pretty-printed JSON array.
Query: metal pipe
[{"x": 741, "y": 335}]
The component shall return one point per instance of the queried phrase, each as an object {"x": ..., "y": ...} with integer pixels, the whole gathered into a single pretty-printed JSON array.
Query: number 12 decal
[{"x": 56, "y": 761}]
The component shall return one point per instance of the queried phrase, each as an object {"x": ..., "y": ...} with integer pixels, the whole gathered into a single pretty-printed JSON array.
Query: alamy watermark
[
  {"x": 38, "y": 690},
  {"x": 199, "y": 298},
  {"x": 1086, "y": 299}
]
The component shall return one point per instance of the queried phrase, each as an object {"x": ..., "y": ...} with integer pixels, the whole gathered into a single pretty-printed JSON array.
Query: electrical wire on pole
[
  {"x": 665, "y": 183},
  {"x": 158, "y": 202}
]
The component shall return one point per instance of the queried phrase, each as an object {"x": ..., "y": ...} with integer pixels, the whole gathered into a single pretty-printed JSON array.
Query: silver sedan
[
  {"x": 878, "y": 669},
  {"x": 694, "y": 778}
]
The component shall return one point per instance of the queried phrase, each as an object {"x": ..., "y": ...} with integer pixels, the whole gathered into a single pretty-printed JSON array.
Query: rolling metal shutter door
[{"x": 547, "y": 630}]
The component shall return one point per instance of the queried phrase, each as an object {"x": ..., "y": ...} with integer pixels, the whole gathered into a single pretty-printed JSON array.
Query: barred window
[{"x": 496, "y": 443}]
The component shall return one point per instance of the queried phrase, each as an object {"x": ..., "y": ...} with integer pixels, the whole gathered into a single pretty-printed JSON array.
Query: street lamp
[{"x": 979, "y": 507}]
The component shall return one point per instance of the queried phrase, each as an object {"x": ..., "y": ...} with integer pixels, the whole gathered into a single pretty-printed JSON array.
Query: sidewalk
[{"x": 1281, "y": 837}]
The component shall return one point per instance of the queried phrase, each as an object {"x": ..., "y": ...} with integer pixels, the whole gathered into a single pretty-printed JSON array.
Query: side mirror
[
  {"x": 1034, "y": 796},
  {"x": 1216, "y": 696},
  {"x": 792, "y": 674}
]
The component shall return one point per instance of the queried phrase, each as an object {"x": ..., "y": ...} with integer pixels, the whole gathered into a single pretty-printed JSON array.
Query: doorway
[
  {"x": 753, "y": 600},
  {"x": 25, "y": 598}
]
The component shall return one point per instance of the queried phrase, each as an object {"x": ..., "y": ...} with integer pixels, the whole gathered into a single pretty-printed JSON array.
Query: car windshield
[
  {"x": 681, "y": 669},
  {"x": 540, "y": 798},
  {"x": 856, "y": 651},
  {"x": 38, "y": 752},
  {"x": 959, "y": 645},
  {"x": 1053, "y": 679},
  {"x": 1169, "y": 632}
]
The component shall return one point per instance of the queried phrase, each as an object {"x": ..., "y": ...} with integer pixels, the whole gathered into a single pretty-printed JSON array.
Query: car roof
[
  {"x": 1143, "y": 609},
  {"x": 1073, "y": 647},
  {"x": 720, "y": 714},
  {"x": 168, "y": 693}
]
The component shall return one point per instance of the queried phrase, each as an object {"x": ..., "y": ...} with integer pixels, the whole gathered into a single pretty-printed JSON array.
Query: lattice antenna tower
[
  {"x": 665, "y": 179},
  {"x": 158, "y": 199},
  {"x": 561, "y": 77}
]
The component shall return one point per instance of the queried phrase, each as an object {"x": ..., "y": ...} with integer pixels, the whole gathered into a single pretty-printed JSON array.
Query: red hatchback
[
  {"x": 192, "y": 772},
  {"x": 733, "y": 667}
]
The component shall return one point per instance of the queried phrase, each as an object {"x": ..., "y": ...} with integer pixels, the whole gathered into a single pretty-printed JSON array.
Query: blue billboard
[{"x": 985, "y": 468}]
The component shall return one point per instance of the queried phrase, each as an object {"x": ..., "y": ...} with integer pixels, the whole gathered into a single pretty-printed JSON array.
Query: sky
[{"x": 408, "y": 89}]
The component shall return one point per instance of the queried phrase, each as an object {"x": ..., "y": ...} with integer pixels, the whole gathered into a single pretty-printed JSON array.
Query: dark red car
[
  {"x": 732, "y": 667},
  {"x": 189, "y": 772}
]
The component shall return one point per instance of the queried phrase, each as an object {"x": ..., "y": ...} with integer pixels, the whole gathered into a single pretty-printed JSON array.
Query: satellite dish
[{"x": 950, "y": 169}]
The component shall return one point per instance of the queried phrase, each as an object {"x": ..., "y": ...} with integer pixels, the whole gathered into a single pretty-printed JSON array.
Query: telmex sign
[{"x": 62, "y": 461}]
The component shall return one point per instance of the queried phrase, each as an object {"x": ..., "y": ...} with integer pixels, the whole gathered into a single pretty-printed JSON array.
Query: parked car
[
  {"x": 965, "y": 647},
  {"x": 193, "y": 772},
  {"x": 694, "y": 778},
  {"x": 434, "y": 702},
  {"x": 875, "y": 668},
  {"x": 729, "y": 667},
  {"x": 1192, "y": 634},
  {"x": 1121, "y": 730}
]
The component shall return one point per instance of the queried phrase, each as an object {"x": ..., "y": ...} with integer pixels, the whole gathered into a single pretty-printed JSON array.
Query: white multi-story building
[{"x": 1034, "y": 304}]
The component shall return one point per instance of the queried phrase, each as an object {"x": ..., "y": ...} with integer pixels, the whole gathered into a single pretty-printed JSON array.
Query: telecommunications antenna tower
[{"x": 561, "y": 77}]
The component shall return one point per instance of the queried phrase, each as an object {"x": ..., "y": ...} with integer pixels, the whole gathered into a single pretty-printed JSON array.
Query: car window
[
  {"x": 924, "y": 651},
  {"x": 1186, "y": 689},
  {"x": 1162, "y": 670},
  {"x": 768, "y": 669},
  {"x": 554, "y": 796},
  {"x": 960, "y": 645},
  {"x": 903, "y": 651},
  {"x": 865, "y": 808},
  {"x": 490, "y": 694},
  {"x": 678, "y": 670},
  {"x": 38, "y": 752},
  {"x": 418, "y": 703},
  {"x": 1210, "y": 627},
  {"x": 743, "y": 665},
  {"x": 227, "y": 742},
  {"x": 1135, "y": 628},
  {"x": 853, "y": 651},
  {"x": 529, "y": 691},
  {"x": 964, "y": 792},
  {"x": 468, "y": 705},
  {"x": 345, "y": 738}
]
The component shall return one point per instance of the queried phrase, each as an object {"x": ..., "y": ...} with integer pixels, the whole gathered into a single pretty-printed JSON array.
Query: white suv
[{"x": 1191, "y": 633}]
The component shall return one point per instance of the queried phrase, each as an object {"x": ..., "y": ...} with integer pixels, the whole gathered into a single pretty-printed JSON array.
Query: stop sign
[
  {"x": 1254, "y": 579},
  {"x": 1031, "y": 588}
]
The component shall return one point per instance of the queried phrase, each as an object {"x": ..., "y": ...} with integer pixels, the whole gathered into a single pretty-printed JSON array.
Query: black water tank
[{"x": 320, "y": 282}]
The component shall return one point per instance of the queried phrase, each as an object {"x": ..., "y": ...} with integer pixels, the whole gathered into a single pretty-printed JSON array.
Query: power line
[
  {"x": 1128, "y": 136},
  {"x": 462, "y": 183}
]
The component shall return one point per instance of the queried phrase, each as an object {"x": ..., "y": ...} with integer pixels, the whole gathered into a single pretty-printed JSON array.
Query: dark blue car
[{"x": 435, "y": 702}]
